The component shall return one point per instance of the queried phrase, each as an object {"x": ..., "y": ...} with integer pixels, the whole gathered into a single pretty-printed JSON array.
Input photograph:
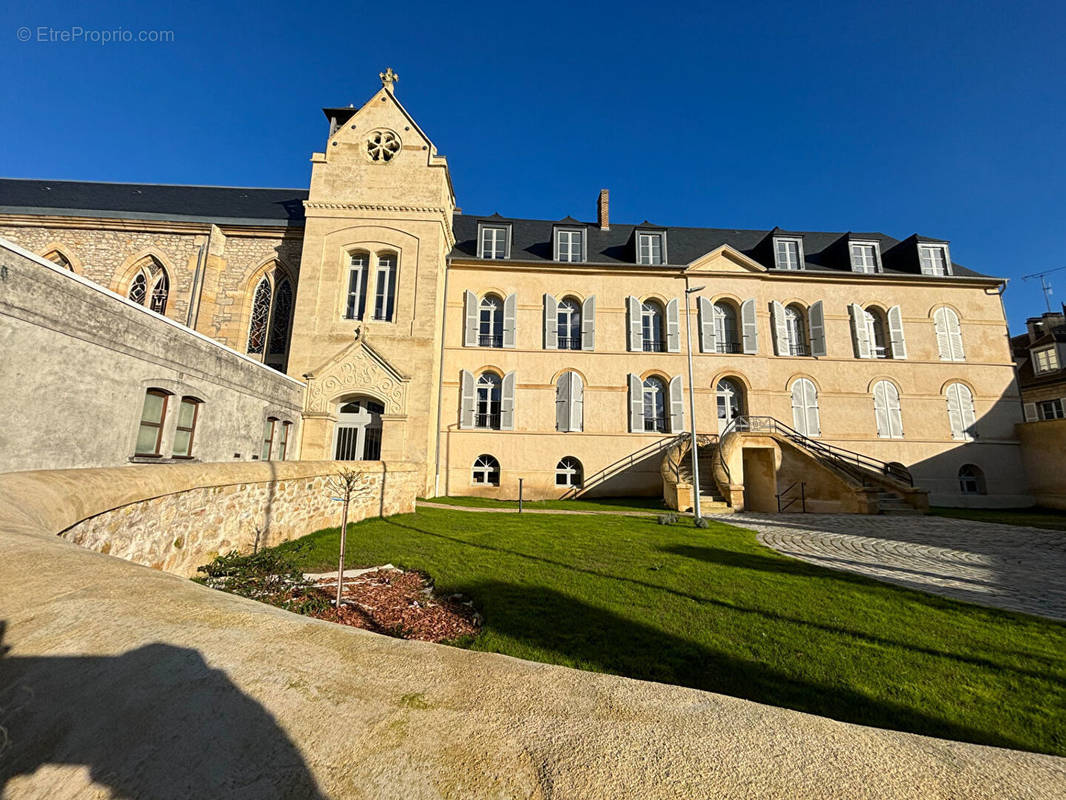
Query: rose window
[{"x": 382, "y": 145}]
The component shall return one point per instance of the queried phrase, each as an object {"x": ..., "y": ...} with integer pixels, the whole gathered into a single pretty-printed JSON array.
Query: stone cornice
[{"x": 445, "y": 214}]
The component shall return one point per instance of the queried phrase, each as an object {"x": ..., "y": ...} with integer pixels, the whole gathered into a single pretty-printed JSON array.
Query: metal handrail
[
  {"x": 856, "y": 464},
  {"x": 620, "y": 464}
]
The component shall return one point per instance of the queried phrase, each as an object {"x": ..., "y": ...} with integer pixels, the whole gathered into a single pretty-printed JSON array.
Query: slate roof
[
  {"x": 531, "y": 240},
  {"x": 220, "y": 204}
]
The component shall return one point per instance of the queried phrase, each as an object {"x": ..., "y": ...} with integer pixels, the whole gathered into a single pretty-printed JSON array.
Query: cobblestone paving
[{"x": 1006, "y": 566}]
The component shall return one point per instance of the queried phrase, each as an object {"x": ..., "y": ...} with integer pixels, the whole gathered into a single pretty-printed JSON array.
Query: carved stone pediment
[{"x": 357, "y": 370}]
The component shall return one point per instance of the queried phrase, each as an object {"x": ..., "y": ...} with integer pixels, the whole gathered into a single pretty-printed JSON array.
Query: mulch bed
[{"x": 399, "y": 603}]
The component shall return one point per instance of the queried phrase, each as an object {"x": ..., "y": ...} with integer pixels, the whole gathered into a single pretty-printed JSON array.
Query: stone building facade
[{"x": 489, "y": 349}]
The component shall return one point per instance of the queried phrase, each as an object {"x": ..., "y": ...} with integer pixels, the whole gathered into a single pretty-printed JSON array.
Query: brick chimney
[{"x": 602, "y": 209}]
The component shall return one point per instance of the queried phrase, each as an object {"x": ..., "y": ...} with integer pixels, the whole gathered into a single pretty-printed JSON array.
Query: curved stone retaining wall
[{"x": 177, "y": 517}]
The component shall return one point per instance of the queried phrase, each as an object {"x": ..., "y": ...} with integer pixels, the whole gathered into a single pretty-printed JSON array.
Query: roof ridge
[{"x": 143, "y": 183}]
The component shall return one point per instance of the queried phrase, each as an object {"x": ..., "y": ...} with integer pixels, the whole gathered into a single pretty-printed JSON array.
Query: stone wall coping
[
  {"x": 7, "y": 244},
  {"x": 53, "y": 500}
]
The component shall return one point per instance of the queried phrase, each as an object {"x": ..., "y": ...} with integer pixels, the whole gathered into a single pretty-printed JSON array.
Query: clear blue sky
[{"x": 942, "y": 118}]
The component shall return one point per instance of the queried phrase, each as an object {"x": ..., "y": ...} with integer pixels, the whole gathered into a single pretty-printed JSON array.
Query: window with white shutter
[{"x": 962, "y": 418}]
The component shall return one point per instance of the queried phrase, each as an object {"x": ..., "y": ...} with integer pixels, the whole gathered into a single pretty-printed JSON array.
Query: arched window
[
  {"x": 280, "y": 318},
  {"x": 654, "y": 404},
  {"x": 486, "y": 471},
  {"x": 730, "y": 402},
  {"x": 726, "y": 332},
  {"x": 948, "y": 335},
  {"x": 257, "y": 327},
  {"x": 358, "y": 267},
  {"x": 805, "y": 407},
  {"x": 796, "y": 328},
  {"x": 358, "y": 436},
  {"x": 150, "y": 432},
  {"x": 138, "y": 289},
  {"x": 972, "y": 480},
  {"x": 569, "y": 318},
  {"x": 58, "y": 258},
  {"x": 569, "y": 402},
  {"x": 188, "y": 414},
  {"x": 961, "y": 415},
  {"x": 487, "y": 408},
  {"x": 887, "y": 411},
  {"x": 653, "y": 326},
  {"x": 568, "y": 472},
  {"x": 160, "y": 292},
  {"x": 490, "y": 331},
  {"x": 385, "y": 287},
  {"x": 876, "y": 332}
]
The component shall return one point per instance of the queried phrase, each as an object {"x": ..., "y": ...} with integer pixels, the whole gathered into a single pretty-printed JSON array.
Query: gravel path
[{"x": 1005, "y": 566}]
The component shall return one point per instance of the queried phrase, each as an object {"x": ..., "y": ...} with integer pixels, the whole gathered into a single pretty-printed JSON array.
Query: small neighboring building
[{"x": 1040, "y": 362}]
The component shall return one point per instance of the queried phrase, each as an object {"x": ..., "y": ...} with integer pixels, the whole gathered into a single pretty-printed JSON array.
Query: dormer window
[
  {"x": 788, "y": 253},
  {"x": 569, "y": 244},
  {"x": 651, "y": 247},
  {"x": 1046, "y": 360},
  {"x": 865, "y": 257},
  {"x": 494, "y": 241},
  {"x": 933, "y": 259}
]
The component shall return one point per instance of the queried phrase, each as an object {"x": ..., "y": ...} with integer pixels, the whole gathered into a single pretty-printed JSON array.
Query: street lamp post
[{"x": 696, "y": 510}]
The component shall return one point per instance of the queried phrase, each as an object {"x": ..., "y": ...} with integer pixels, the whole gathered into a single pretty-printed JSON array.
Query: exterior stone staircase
[{"x": 890, "y": 502}]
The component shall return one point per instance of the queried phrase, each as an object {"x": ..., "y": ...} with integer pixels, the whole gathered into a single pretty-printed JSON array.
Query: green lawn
[
  {"x": 647, "y": 504},
  {"x": 1034, "y": 517},
  {"x": 715, "y": 610}
]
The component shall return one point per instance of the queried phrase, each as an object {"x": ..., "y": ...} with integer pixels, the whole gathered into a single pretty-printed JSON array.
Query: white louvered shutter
[
  {"x": 817, "y": 324},
  {"x": 510, "y": 314},
  {"x": 551, "y": 323},
  {"x": 954, "y": 335},
  {"x": 636, "y": 404},
  {"x": 507, "y": 401},
  {"x": 943, "y": 335},
  {"x": 588, "y": 323},
  {"x": 1030, "y": 412},
  {"x": 673, "y": 327},
  {"x": 777, "y": 313},
  {"x": 577, "y": 403},
  {"x": 895, "y": 332},
  {"x": 467, "y": 400},
  {"x": 860, "y": 331},
  {"x": 562, "y": 402},
  {"x": 708, "y": 332},
  {"x": 470, "y": 319},
  {"x": 636, "y": 335},
  {"x": 750, "y": 326},
  {"x": 677, "y": 405}
]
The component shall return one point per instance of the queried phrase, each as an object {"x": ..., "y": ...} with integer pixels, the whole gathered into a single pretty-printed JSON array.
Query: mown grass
[
  {"x": 713, "y": 609},
  {"x": 647, "y": 504},
  {"x": 1033, "y": 517}
]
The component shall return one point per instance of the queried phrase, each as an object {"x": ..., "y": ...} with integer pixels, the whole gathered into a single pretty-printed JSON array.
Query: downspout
[{"x": 440, "y": 375}]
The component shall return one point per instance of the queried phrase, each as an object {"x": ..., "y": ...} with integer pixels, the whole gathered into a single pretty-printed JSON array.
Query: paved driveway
[{"x": 1006, "y": 566}]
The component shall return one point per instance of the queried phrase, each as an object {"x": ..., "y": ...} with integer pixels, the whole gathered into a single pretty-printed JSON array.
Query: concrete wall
[
  {"x": 844, "y": 382},
  {"x": 185, "y": 515},
  {"x": 1044, "y": 453},
  {"x": 78, "y": 360}
]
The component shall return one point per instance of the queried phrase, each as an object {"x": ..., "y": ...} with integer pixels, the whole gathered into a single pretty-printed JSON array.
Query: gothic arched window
[
  {"x": 280, "y": 318},
  {"x": 257, "y": 328}
]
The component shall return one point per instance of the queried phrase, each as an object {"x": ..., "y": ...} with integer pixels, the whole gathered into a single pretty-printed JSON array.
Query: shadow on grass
[
  {"x": 780, "y": 565},
  {"x": 731, "y": 558},
  {"x": 573, "y": 632}
]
